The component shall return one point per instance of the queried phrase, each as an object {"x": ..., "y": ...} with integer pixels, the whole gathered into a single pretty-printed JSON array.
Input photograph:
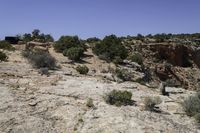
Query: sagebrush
[
  {"x": 6, "y": 46},
  {"x": 3, "y": 56},
  {"x": 82, "y": 69},
  {"x": 151, "y": 102},
  {"x": 119, "y": 98},
  {"x": 40, "y": 59}
]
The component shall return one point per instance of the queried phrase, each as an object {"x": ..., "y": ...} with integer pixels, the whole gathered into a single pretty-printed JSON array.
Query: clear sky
[{"x": 88, "y": 18}]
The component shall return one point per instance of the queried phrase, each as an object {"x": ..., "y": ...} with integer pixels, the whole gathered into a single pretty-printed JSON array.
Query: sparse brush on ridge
[
  {"x": 36, "y": 35},
  {"x": 70, "y": 46},
  {"x": 110, "y": 48},
  {"x": 6, "y": 46},
  {"x": 67, "y": 42}
]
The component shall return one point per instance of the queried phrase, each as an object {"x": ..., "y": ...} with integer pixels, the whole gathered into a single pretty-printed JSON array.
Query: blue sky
[{"x": 88, "y": 18}]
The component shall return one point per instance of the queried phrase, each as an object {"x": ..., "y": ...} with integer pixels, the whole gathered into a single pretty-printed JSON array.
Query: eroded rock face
[
  {"x": 177, "y": 55},
  {"x": 37, "y": 46},
  {"x": 197, "y": 57}
]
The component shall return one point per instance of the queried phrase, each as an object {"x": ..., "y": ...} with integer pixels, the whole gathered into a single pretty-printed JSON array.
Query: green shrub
[
  {"x": 40, "y": 59},
  {"x": 3, "y": 56},
  {"x": 147, "y": 74},
  {"x": 136, "y": 57},
  {"x": 27, "y": 37},
  {"x": 90, "y": 103},
  {"x": 109, "y": 48},
  {"x": 151, "y": 102},
  {"x": 6, "y": 45},
  {"x": 36, "y": 35},
  {"x": 119, "y": 98},
  {"x": 44, "y": 71},
  {"x": 117, "y": 60},
  {"x": 123, "y": 74},
  {"x": 197, "y": 118},
  {"x": 192, "y": 105},
  {"x": 66, "y": 42},
  {"x": 82, "y": 69},
  {"x": 74, "y": 53}
]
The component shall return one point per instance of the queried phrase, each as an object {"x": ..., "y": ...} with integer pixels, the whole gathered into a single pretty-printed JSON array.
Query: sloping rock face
[
  {"x": 37, "y": 46},
  {"x": 178, "y": 55},
  {"x": 197, "y": 57}
]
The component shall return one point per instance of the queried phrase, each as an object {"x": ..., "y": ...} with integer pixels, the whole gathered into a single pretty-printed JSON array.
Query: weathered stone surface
[
  {"x": 178, "y": 55},
  {"x": 57, "y": 104}
]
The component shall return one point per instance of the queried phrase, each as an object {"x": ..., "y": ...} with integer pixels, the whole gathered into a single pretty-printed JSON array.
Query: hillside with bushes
[{"x": 142, "y": 83}]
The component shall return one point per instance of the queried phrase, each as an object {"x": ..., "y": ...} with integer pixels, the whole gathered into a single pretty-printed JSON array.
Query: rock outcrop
[
  {"x": 177, "y": 55},
  {"x": 37, "y": 46}
]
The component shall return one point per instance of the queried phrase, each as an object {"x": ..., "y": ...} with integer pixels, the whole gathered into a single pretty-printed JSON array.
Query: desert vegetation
[
  {"x": 99, "y": 80},
  {"x": 191, "y": 106},
  {"x": 36, "y": 36},
  {"x": 110, "y": 48},
  {"x": 6, "y": 46},
  {"x": 82, "y": 69},
  {"x": 151, "y": 102},
  {"x": 40, "y": 59},
  {"x": 119, "y": 98},
  {"x": 90, "y": 103},
  {"x": 70, "y": 46},
  {"x": 123, "y": 74},
  {"x": 136, "y": 57},
  {"x": 3, "y": 56},
  {"x": 74, "y": 53}
]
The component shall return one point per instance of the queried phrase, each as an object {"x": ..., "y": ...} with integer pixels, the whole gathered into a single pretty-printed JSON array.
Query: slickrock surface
[{"x": 31, "y": 103}]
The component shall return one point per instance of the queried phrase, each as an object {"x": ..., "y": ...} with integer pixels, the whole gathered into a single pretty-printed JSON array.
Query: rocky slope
[{"x": 33, "y": 103}]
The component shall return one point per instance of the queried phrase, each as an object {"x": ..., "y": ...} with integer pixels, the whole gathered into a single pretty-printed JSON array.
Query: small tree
[
  {"x": 110, "y": 48},
  {"x": 35, "y": 33},
  {"x": 66, "y": 42},
  {"x": 49, "y": 38},
  {"x": 27, "y": 37}
]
